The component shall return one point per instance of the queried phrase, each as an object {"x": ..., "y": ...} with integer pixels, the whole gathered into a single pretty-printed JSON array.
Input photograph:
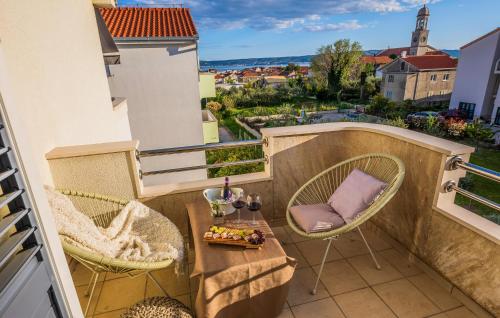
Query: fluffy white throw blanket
[{"x": 137, "y": 233}]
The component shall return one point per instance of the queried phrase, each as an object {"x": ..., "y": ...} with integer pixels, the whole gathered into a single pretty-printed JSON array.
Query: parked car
[{"x": 455, "y": 114}]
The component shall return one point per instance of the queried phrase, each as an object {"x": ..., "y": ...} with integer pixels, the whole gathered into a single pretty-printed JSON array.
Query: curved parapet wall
[{"x": 420, "y": 216}]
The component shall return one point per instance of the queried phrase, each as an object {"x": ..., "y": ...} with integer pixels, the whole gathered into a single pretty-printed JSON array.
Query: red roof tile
[
  {"x": 428, "y": 62},
  {"x": 378, "y": 60},
  {"x": 396, "y": 51},
  {"x": 149, "y": 22}
]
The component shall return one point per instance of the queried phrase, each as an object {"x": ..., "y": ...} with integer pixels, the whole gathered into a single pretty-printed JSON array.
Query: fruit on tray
[{"x": 251, "y": 236}]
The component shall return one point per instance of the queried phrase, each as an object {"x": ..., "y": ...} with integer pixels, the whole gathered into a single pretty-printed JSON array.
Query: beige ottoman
[{"x": 158, "y": 307}]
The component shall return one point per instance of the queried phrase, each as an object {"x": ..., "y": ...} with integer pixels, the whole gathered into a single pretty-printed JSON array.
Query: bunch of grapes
[{"x": 257, "y": 238}]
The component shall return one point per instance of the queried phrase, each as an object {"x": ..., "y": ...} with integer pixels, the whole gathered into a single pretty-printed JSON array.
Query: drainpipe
[{"x": 415, "y": 86}]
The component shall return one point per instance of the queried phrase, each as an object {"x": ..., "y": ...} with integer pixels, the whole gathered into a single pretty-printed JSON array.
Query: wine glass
[
  {"x": 238, "y": 203},
  {"x": 254, "y": 204}
]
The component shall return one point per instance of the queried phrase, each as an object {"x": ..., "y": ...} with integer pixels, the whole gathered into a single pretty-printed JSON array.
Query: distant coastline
[{"x": 304, "y": 60}]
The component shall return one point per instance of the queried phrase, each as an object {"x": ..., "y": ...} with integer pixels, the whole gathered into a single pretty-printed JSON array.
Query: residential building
[
  {"x": 275, "y": 80},
  {"x": 419, "y": 72},
  {"x": 159, "y": 76},
  {"x": 477, "y": 86},
  {"x": 426, "y": 79}
]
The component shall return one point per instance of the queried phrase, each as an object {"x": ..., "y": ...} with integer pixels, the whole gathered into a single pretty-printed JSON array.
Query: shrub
[
  {"x": 397, "y": 122},
  {"x": 214, "y": 107},
  {"x": 455, "y": 127},
  {"x": 431, "y": 126},
  {"x": 228, "y": 102},
  {"x": 478, "y": 132}
]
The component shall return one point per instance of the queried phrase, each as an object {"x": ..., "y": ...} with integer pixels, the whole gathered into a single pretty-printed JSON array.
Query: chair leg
[
  {"x": 93, "y": 282},
  {"x": 157, "y": 284},
  {"x": 322, "y": 265},
  {"x": 87, "y": 292},
  {"x": 377, "y": 265}
]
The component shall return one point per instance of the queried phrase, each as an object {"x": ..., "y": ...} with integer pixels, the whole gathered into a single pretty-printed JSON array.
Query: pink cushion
[
  {"x": 316, "y": 217},
  {"x": 355, "y": 194}
]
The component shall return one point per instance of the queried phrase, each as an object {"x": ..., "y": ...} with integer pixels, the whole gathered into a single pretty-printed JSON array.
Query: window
[
  {"x": 497, "y": 117},
  {"x": 446, "y": 77},
  {"x": 430, "y": 93},
  {"x": 442, "y": 92},
  {"x": 468, "y": 109},
  {"x": 390, "y": 79},
  {"x": 497, "y": 67},
  {"x": 388, "y": 94},
  {"x": 403, "y": 66},
  {"x": 433, "y": 77}
]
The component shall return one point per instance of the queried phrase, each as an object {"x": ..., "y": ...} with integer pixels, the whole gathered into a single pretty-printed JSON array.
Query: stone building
[{"x": 418, "y": 72}]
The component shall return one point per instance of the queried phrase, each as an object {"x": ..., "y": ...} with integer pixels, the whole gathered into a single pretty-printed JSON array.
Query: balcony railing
[
  {"x": 458, "y": 163},
  {"x": 207, "y": 147}
]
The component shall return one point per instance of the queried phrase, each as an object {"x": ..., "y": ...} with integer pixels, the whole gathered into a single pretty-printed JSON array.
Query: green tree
[
  {"x": 337, "y": 64},
  {"x": 292, "y": 67}
]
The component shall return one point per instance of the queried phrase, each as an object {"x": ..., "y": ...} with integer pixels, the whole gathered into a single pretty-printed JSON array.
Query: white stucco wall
[
  {"x": 162, "y": 91},
  {"x": 474, "y": 70},
  {"x": 55, "y": 93}
]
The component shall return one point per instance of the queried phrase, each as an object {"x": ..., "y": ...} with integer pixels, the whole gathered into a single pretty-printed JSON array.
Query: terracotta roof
[
  {"x": 149, "y": 22},
  {"x": 377, "y": 60},
  {"x": 397, "y": 51},
  {"x": 429, "y": 62}
]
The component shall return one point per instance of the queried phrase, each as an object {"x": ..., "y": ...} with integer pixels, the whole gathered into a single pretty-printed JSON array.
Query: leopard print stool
[{"x": 158, "y": 307}]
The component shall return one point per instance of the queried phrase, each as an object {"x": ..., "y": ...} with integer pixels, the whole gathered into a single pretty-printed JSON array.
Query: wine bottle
[{"x": 226, "y": 192}]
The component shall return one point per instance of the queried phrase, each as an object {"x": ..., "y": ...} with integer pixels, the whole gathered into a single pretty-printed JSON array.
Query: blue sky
[{"x": 231, "y": 29}]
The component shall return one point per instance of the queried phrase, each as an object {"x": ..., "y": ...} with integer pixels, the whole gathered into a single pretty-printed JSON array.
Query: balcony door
[{"x": 27, "y": 281}]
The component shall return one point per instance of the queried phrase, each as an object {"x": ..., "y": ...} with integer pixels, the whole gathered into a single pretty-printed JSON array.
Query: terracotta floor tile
[
  {"x": 325, "y": 308},
  {"x": 313, "y": 251},
  {"x": 460, "y": 312},
  {"x": 293, "y": 235},
  {"x": 437, "y": 294},
  {"x": 339, "y": 277},
  {"x": 375, "y": 240},
  {"x": 281, "y": 235},
  {"x": 401, "y": 262},
  {"x": 292, "y": 251},
  {"x": 366, "y": 268},
  {"x": 111, "y": 314},
  {"x": 171, "y": 282},
  {"x": 81, "y": 275},
  {"x": 286, "y": 313},
  {"x": 121, "y": 293},
  {"x": 80, "y": 291},
  {"x": 405, "y": 299},
  {"x": 363, "y": 303},
  {"x": 350, "y": 244},
  {"x": 301, "y": 285}
]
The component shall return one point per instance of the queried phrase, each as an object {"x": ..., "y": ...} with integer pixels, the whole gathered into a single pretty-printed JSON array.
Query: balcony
[
  {"x": 437, "y": 259},
  {"x": 210, "y": 127}
]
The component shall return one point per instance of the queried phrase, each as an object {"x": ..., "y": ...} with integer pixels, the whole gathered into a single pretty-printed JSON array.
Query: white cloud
[
  {"x": 341, "y": 26},
  {"x": 282, "y": 14}
]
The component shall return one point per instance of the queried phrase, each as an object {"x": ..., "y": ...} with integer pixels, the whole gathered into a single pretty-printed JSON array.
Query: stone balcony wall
[{"x": 416, "y": 217}]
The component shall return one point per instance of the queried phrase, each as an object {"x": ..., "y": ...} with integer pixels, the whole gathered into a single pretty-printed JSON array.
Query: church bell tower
[{"x": 421, "y": 34}]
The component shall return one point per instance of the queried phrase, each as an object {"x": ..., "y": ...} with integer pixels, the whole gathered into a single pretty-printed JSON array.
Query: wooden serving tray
[{"x": 222, "y": 241}]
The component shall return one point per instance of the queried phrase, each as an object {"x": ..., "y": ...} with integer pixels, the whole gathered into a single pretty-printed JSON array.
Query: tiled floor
[{"x": 350, "y": 285}]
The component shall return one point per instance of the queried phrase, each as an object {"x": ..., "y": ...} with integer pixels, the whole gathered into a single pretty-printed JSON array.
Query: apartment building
[
  {"x": 426, "y": 79},
  {"x": 159, "y": 76},
  {"x": 477, "y": 86}
]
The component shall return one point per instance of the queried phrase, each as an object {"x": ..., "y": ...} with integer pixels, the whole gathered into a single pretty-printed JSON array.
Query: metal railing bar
[
  {"x": 452, "y": 186},
  {"x": 217, "y": 146},
  {"x": 208, "y": 166},
  {"x": 458, "y": 162}
]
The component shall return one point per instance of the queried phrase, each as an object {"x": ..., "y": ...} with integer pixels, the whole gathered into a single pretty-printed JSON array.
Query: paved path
[{"x": 225, "y": 135}]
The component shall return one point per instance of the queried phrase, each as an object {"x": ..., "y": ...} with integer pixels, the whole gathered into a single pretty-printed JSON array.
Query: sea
[{"x": 304, "y": 60}]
